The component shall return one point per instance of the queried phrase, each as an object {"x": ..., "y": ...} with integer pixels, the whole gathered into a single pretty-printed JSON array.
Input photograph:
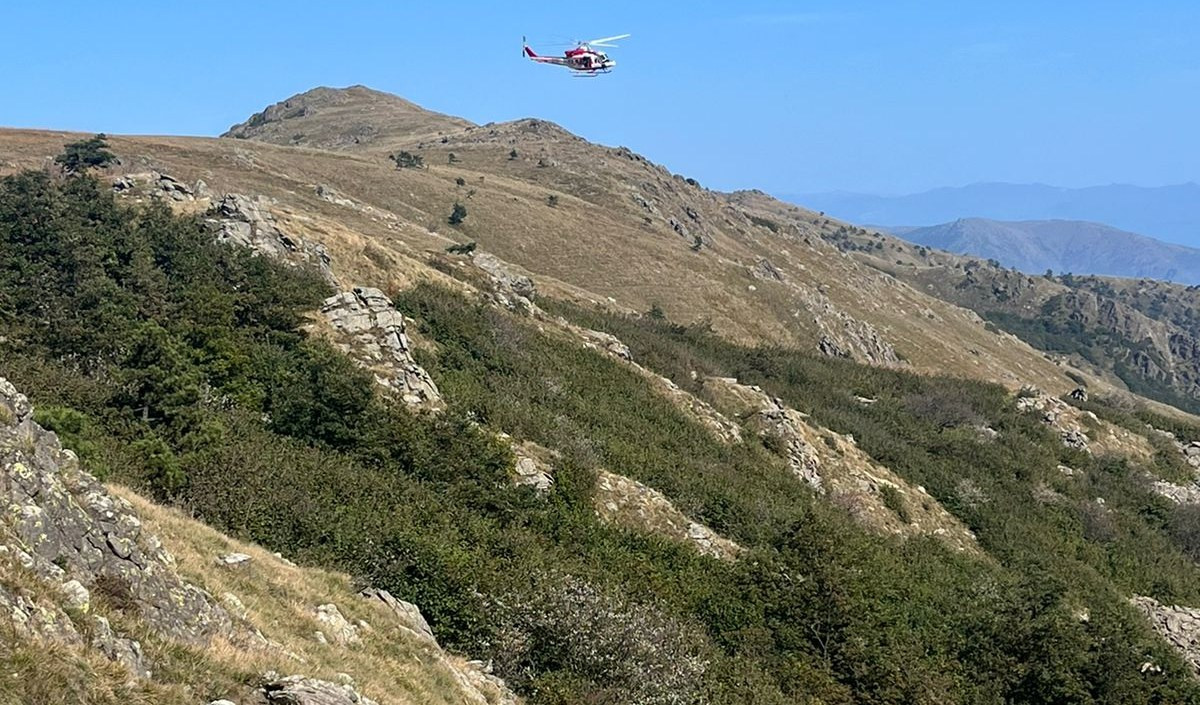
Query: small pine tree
[
  {"x": 513, "y": 154},
  {"x": 463, "y": 249},
  {"x": 460, "y": 181},
  {"x": 458, "y": 215},
  {"x": 78, "y": 157},
  {"x": 452, "y": 158},
  {"x": 552, "y": 200},
  {"x": 697, "y": 243},
  {"x": 656, "y": 313}
]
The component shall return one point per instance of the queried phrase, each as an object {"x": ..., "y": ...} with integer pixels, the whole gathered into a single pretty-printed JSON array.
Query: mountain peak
[{"x": 351, "y": 118}]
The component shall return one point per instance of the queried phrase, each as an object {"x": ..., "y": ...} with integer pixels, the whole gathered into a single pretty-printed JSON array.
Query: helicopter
[{"x": 583, "y": 60}]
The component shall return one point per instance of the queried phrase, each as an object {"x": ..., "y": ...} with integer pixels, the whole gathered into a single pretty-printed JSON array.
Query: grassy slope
[{"x": 592, "y": 246}]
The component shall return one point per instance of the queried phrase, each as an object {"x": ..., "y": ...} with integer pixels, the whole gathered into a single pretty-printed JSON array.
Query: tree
[
  {"x": 458, "y": 215},
  {"x": 513, "y": 154},
  {"x": 452, "y": 158},
  {"x": 78, "y": 157},
  {"x": 552, "y": 200},
  {"x": 408, "y": 160},
  {"x": 463, "y": 249}
]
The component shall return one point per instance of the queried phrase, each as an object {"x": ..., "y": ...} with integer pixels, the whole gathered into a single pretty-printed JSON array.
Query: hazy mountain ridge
[
  {"x": 1167, "y": 212},
  {"x": 1079, "y": 247}
]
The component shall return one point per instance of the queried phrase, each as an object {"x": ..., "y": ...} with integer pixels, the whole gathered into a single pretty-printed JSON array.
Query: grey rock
[
  {"x": 510, "y": 289},
  {"x": 299, "y": 690},
  {"x": 1075, "y": 439},
  {"x": 1179, "y": 626},
  {"x": 248, "y": 222},
  {"x": 372, "y": 332},
  {"x": 766, "y": 270},
  {"x": 233, "y": 559},
  {"x": 126, "y": 652},
  {"x": 407, "y": 613},
  {"x": 68, "y": 527},
  {"x": 336, "y": 627}
]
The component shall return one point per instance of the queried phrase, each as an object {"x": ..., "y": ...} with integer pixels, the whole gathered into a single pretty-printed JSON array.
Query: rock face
[
  {"x": 64, "y": 527},
  {"x": 248, "y": 222},
  {"x": 628, "y": 502},
  {"x": 1179, "y": 626},
  {"x": 371, "y": 331}
]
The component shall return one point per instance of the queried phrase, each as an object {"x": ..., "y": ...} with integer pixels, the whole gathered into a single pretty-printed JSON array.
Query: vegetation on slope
[{"x": 175, "y": 364}]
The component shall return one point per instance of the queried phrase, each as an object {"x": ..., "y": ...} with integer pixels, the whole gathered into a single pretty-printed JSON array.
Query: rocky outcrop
[
  {"x": 369, "y": 329},
  {"x": 408, "y": 614},
  {"x": 246, "y": 221},
  {"x": 509, "y": 288},
  {"x": 842, "y": 335},
  {"x": 63, "y": 528},
  {"x": 157, "y": 185},
  {"x": 835, "y": 466},
  {"x": 1179, "y": 626},
  {"x": 628, "y": 502},
  {"x": 1083, "y": 430}
]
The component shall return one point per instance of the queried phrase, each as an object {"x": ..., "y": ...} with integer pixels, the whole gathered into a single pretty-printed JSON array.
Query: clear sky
[{"x": 885, "y": 97}]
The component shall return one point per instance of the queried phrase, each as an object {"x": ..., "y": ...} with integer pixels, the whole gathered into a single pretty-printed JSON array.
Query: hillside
[
  {"x": 1034, "y": 246},
  {"x": 1139, "y": 334},
  {"x": 1169, "y": 213},
  {"x": 611, "y": 438},
  {"x": 618, "y": 230}
]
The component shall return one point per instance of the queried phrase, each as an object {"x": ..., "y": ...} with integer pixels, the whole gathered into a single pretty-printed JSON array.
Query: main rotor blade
[{"x": 607, "y": 39}]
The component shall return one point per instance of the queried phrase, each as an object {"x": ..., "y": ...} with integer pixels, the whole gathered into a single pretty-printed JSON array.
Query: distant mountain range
[
  {"x": 1171, "y": 213},
  {"x": 1061, "y": 245}
]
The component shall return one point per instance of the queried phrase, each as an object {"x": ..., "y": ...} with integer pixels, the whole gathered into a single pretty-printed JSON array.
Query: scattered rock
[
  {"x": 1079, "y": 394},
  {"x": 126, "y": 652},
  {"x": 1074, "y": 438},
  {"x": 155, "y": 185},
  {"x": 76, "y": 596},
  {"x": 628, "y": 502},
  {"x": 606, "y": 342},
  {"x": 233, "y": 559},
  {"x": 533, "y": 466},
  {"x": 765, "y": 269}
]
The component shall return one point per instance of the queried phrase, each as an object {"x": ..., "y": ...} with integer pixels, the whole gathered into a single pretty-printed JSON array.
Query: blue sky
[{"x": 885, "y": 97}]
